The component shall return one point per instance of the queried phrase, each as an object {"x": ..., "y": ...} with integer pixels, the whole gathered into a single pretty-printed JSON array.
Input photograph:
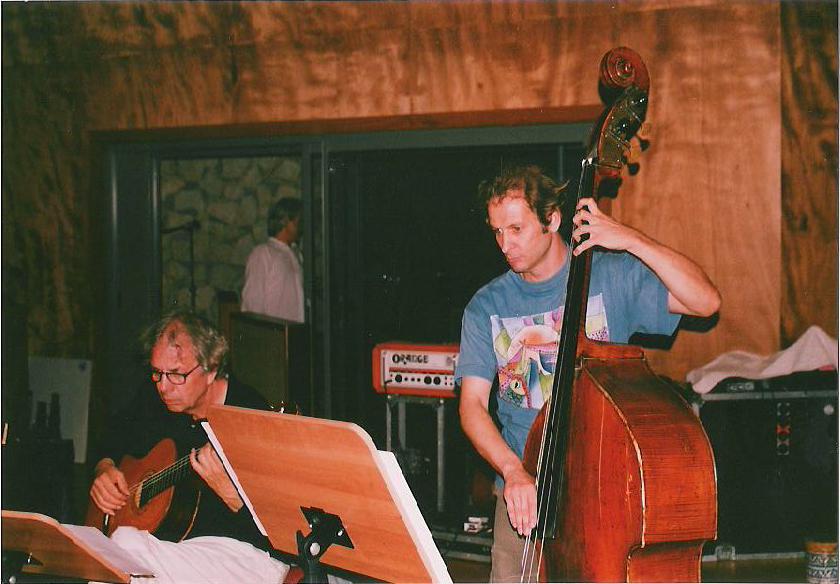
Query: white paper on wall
[{"x": 70, "y": 379}]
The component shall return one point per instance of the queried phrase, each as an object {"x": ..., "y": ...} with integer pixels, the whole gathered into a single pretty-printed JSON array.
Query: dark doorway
[
  {"x": 395, "y": 248},
  {"x": 409, "y": 246}
]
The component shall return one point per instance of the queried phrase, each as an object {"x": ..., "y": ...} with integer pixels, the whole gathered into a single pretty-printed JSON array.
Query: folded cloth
[{"x": 813, "y": 350}]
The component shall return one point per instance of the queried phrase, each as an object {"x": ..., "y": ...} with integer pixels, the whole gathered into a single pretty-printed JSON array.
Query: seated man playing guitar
[{"x": 219, "y": 541}]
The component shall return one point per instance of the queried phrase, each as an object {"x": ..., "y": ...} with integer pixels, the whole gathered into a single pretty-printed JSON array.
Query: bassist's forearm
[{"x": 488, "y": 442}]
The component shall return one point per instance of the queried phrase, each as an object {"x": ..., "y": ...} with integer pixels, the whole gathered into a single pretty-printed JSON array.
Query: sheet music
[
  {"x": 106, "y": 548},
  {"x": 220, "y": 451},
  {"x": 402, "y": 495}
]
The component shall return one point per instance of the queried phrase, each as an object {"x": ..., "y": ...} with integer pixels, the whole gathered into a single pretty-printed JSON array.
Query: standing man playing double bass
[{"x": 511, "y": 326}]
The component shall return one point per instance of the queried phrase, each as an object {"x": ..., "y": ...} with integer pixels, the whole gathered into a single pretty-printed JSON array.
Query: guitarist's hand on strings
[
  {"x": 109, "y": 490},
  {"x": 209, "y": 467},
  {"x": 521, "y": 500}
]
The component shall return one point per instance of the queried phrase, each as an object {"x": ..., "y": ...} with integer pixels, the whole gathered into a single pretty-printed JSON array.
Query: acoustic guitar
[{"x": 164, "y": 495}]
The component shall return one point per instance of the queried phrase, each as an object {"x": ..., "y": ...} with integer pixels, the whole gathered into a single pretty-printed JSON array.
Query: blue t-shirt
[{"x": 511, "y": 329}]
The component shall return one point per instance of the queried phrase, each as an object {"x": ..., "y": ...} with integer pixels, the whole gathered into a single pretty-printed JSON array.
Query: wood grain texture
[
  {"x": 46, "y": 210},
  {"x": 677, "y": 463},
  {"x": 667, "y": 561},
  {"x": 326, "y": 465},
  {"x": 639, "y": 495},
  {"x": 809, "y": 168},
  {"x": 60, "y": 552},
  {"x": 691, "y": 190},
  {"x": 709, "y": 185}
]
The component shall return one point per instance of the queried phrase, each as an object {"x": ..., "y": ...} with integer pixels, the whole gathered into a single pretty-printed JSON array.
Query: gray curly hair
[{"x": 210, "y": 345}]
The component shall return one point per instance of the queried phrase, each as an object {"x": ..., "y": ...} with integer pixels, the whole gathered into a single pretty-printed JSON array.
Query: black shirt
[{"x": 146, "y": 422}]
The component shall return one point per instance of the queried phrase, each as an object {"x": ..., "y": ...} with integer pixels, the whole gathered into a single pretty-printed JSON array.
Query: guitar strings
[
  {"x": 529, "y": 552},
  {"x": 166, "y": 475},
  {"x": 164, "y": 478}
]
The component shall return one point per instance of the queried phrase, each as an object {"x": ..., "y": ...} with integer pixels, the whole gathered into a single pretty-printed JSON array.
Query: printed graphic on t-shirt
[{"x": 526, "y": 351}]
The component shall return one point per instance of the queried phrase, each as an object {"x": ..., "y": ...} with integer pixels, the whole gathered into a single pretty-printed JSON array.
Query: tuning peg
[
  {"x": 633, "y": 153},
  {"x": 643, "y": 135},
  {"x": 631, "y": 157}
]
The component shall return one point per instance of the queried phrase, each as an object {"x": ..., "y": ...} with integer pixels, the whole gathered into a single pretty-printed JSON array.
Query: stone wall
[{"x": 229, "y": 198}]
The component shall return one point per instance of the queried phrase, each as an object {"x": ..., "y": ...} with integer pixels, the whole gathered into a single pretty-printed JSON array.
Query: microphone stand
[{"x": 190, "y": 226}]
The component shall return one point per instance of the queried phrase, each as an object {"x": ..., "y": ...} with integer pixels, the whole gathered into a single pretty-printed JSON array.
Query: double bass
[{"x": 625, "y": 475}]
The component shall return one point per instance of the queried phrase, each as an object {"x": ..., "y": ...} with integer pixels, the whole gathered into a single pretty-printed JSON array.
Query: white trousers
[{"x": 200, "y": 560}]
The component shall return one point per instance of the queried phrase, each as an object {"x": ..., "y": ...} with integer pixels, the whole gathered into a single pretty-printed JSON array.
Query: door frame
[{"x": 132, "y": 290}]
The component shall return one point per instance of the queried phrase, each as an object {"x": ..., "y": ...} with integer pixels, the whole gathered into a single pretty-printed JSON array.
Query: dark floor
[
  {"x": 765, "y": 570},
  {"x": 774, "y": 570}
]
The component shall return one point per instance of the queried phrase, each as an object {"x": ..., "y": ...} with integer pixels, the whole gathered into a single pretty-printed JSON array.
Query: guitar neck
[{"x": 152, "y": 486}]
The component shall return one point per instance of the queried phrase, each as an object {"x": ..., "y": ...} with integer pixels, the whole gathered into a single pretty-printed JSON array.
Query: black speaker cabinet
[{"x": 776, "y": 459}]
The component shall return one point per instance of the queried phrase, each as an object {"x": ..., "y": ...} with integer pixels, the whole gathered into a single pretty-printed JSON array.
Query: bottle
[
  {"x": 54, "y": 421},
  {"x": 40, "y": 428}
]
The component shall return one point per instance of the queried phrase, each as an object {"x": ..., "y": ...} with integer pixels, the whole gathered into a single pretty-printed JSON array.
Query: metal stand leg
[
  {"x": 401, "y": 423},
  {"x": 388, "y": 424},
  {"x": 440, "y": 455},
  {"x": 440, "y": 411}
]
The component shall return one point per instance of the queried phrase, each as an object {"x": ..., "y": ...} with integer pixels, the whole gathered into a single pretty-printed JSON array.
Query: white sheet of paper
[
  {"x": 401, "y": 493},
  {"x": 232, "y": 474},
  {"x": 107, "y": 548}
]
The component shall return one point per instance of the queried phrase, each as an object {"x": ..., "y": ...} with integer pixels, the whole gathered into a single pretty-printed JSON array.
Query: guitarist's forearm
[
  {"x": 234, "y": 502},
  {"x": 209, "y": 467}
]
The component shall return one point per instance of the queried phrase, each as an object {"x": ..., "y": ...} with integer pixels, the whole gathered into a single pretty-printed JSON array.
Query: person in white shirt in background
[{"x": 273, "y": 274}]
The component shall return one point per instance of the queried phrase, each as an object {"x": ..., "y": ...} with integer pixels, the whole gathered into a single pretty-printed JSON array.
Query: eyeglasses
[{"x": 174, "y": 377}]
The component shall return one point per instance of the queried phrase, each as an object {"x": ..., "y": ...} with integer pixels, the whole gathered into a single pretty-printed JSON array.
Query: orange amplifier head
[{"x": 411, "y": 369}]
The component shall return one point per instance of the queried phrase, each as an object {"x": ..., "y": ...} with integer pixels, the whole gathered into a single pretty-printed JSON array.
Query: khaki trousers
[{"x": 508, "y": 546}]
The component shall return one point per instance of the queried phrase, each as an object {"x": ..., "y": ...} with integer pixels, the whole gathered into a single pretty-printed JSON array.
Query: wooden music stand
[
  {"x": 287, "y": 465},
  {"x": 69, "y": 551}
]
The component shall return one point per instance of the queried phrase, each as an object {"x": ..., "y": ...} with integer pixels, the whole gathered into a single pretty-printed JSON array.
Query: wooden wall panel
[
  {"x": 709, "y": 184},
  {"x": 46, "y": 221},
  {"x": 809, "y": 168},
  {"x": 707, "y": 143}
]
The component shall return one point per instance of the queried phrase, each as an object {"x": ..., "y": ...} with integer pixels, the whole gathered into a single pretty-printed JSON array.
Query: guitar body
[{"x": 168, "y": 515}]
